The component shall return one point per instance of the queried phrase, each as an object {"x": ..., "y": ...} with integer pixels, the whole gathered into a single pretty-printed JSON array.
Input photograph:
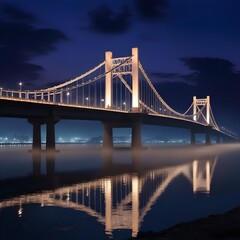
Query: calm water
[{"x": 86, "y": 193}]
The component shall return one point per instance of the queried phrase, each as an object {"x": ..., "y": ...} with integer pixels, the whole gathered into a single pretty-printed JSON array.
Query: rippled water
[{"x": 87, "y": 193}]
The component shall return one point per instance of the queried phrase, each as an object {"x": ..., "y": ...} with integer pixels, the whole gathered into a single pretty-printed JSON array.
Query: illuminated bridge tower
[
  {"x": 133, "y": 69},
  {"x": 201, "y": 102},
  {"x": 129, "y": 65}
]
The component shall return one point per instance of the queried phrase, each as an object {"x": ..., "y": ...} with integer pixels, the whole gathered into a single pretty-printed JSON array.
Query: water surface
[{"x": 87, "y": 193}]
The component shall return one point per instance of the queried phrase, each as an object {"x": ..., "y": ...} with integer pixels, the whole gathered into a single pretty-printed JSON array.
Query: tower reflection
[{"x": 118, "y": 201}]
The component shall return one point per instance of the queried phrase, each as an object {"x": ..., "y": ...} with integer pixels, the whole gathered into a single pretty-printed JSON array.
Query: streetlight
[
  {"x": 20, "y": 86},
  {"x": 68, "y": 93},
  {"x": 20, "y": 89},
  {"x": 102, "y": 102},
  {"x": 124, "y": 104},
  {"x": 87, "y": 101}
]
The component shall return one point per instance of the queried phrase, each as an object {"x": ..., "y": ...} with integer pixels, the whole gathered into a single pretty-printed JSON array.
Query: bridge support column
[
  {"x": 208, "y": 138},
  {"x": 107, "y": 136},
  {"x": 218, "y": 140},
  {"x": 135, "y": 81},
  {"x": 193, "y": 137},
  {"x": 36, "y": 144},
  {"x": 136, "y": 135},
  {"x": 50, "y": 136}
]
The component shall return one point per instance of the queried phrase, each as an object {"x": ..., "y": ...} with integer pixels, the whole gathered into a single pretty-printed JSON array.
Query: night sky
[{"x": 187, "y": 47}]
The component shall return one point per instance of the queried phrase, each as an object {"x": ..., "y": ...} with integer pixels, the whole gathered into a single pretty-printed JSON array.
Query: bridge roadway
[{"x": 49, "y": 113}]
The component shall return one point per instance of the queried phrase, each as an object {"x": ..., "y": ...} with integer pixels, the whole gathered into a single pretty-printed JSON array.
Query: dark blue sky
[{"x": 188, "y": 47}]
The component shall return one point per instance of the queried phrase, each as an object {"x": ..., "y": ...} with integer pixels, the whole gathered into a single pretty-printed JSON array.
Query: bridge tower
[
  {"x": 135, "y": 81},
  {"x": 201, "y": 102},
  {"x": 108, "y": 80},
  {"x": 197, "y": 103},
  {"x": 133, "y": 63}
]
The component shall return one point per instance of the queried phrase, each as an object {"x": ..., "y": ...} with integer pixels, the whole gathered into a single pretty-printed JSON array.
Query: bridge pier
[
  {"x": 218, "y": 139},
  {"x": 136, "y": 135},
  {"x": 208, "y": 138},
  {"x": 107, "y": 136},
  {"x": 50, "y": 136},
  {"x": 36, "y": 122},
  {"x": 193, "y": 137},
  {"x": 108, "y": 133}
]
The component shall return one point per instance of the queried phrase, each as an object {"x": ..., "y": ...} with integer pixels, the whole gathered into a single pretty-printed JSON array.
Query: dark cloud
[
  {"x": 20, "y": 41},
  {"x": 12, "y": 12},
  {"x": 162, "y": 77},
  {"x": 104, "y": 20},
  {"x": 151, "y": 9},
  {"x": 214, "y": 76},
  {"x": 165, "y": 77}
]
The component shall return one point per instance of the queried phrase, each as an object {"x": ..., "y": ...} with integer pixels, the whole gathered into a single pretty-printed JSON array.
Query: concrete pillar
[
  {"x": 108, "y": 80},
  {"x": 50, "y": 141},
  {"x": 135, "y": 80},
  {"x": 193, "y": 139},
  {"x": 136, "y": 135},
  {"x": 49, "y": 97},
  {"x": 208, "y": 138},
  {"x": 218, "y": 140},
  {"x": 36, "y": 144},
  {"x": 108, "y": 136}
]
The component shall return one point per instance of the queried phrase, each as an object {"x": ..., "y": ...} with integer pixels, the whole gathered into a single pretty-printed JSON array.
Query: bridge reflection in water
[{"x": 120, "y": 201}]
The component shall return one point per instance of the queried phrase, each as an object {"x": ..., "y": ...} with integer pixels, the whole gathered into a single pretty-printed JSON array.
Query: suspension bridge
[
  {"x": 117, "y": 92},
  {"x": 121, "y": 201}
]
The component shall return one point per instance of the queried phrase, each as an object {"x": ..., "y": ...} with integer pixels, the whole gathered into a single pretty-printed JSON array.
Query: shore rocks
[{"x": 221, "y": 227}]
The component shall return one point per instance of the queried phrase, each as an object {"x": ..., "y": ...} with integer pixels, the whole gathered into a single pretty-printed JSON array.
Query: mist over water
[{"x": 88, "y": 193}]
